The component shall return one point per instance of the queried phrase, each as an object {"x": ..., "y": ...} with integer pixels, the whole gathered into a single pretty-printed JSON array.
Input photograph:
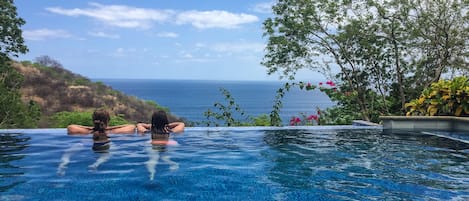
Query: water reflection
[
  {"x": 11, "y": 146},
  {"x": 65, "y": 159},
  {"x": 100, "y": 148},
  {"x": 294, "y": 155},
  {"x": 154, "y": 152},
  {"x": 366, "y": 164}
]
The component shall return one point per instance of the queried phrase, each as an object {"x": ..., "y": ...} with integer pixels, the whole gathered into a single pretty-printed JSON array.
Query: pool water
[{"x": 294, "y": 163}]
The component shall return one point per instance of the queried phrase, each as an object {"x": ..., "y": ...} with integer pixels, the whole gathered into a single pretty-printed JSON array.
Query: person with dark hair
[
  {"x": 101, "y": 120},
  {"x": 160, "y": 128},
  {"x": 100, "y": 129}
]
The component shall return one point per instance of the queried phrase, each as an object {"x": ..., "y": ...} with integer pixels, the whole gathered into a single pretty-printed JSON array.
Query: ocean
[{"x": 189, "y": 99}]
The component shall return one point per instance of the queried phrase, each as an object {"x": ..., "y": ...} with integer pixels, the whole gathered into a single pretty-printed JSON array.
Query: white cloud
[
  {"x": 43, "y": 34},
  {"x": 132, "y": 17},
  {"x": 104, "y": 35},
  {"x": 238, "y": 47},
  {"x": 214, "y": 19},
  {"x": 187, "y": 56},
  {"x": 265, "y": 7},
  {"x": 118, "y": 15},
  {"x": 124, "y": 52},
  {"x": 167, "y": 35},
  {"x": 200, "y": 45}
]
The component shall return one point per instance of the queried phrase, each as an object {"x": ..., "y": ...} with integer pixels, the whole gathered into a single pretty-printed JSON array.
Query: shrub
[
  {"x": 63, "y": 119},
  {"x": 445, "y": 97}
]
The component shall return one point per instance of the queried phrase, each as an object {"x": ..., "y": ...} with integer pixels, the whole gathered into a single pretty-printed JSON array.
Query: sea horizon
[{"x": 189, "y": 99}]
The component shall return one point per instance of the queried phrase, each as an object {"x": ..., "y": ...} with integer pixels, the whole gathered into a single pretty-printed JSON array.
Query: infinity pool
[{"x": 292, "y": 163}]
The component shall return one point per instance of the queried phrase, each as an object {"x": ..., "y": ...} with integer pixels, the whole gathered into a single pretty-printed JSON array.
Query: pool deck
[{"x": 426, "y": 123}]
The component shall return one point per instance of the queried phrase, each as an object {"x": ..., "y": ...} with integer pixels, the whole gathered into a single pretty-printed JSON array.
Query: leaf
[
  {"x": 446, "y": 97},
  {"x": 432, "y": 110},
  {"x": 458, "y": 111}
]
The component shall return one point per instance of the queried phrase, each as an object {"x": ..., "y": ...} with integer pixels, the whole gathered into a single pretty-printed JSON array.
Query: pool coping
[
  {"x": 423, "y": 123},
  {"x": 211, "y": 129}
]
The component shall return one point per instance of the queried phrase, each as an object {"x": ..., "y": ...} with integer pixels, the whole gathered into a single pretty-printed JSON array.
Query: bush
[
  {"x": 445, "y": 97},
  {"x": 63, "y": 119}
]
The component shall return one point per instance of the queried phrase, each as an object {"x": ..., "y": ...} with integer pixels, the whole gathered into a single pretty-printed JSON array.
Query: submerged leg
[
  {"x": 65, "y": 160},
  {"x": 172, "y": 165},
  {"x": 153, "y": 157},
  {"x": 103, "y": 157}
]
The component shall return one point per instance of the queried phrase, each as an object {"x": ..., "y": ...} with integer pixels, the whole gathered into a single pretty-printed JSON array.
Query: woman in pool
[
  {"x": 100, "y": 130},
  {"x": 160, "y": 128},
  {"x": 101, "y": 120}
]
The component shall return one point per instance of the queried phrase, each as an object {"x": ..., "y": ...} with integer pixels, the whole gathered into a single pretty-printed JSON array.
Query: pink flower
[
  {"x": 320, "y": 83},
  {"x": 294, "y": 121},
  {"x": 330, "y": 83},
  {"x": 309, "y": 86},
  {"x": 313, "y": 117},
  {"x": 297, "y": 120}
]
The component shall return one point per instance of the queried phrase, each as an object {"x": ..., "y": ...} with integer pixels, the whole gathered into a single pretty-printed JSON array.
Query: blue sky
[{"x": 158, "y": 39}]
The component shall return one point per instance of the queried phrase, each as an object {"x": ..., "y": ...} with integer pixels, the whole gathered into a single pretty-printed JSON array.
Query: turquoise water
[{"x": 292, "y": 163}]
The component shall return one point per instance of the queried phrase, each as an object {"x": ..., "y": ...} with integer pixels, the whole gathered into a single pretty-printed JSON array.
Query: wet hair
[
  {"x": 159, "y": 123},
  {"x": 101, "y": 120}
]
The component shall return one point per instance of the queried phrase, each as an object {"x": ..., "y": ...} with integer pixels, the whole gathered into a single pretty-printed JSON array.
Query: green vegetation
[
  {"x": 387, "y": 52},
  {"x": 13, "y": 111},
  {"x": 231, "y": 114},
  {"x": 63, "y": 119},
  {"x": 446, "y": 97},
  {"x": 56, "y": 90},
  {"x": 158, "y": 107}
]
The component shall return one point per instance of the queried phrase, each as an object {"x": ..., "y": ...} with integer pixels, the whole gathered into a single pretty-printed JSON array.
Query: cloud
[
  {"x": 123, "y": 52},
  {"x": 104, "y": 35},
  {"x": 43, "y": 34},
  {"x": 167, "y": 35},
  {"x": 117, "y": 15},
  {"x": 265, "y": 7},
  {"x": 132, "y": 17},
  {"x": 214, "y": 19},
  {"x": 238, "y": 47}
]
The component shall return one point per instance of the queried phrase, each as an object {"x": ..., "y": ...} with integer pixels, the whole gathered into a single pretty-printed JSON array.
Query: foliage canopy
[{"x": 383, "y": 52}]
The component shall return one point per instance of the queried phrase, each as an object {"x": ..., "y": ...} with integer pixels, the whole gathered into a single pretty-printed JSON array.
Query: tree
[
  {"x": 383, "y": 49},
  {"x": 13, "y": 112},
  {"x": 11, "y": 39},
  {"x": 48, "y": 61}
]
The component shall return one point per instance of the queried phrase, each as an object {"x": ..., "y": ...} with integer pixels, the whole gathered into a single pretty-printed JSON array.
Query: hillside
[{"x": 56, "y": 89}]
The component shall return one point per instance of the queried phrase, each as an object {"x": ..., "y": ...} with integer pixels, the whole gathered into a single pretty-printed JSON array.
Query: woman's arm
[
  {"x": 142, "y": 127},
  {"x": 78, "y": 129},
  {"x": 122, "y": 129},
  {"x": 176, "y": 127}
]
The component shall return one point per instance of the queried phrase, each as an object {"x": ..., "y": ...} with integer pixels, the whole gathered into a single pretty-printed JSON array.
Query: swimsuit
[{"x": 100, "y": 146}]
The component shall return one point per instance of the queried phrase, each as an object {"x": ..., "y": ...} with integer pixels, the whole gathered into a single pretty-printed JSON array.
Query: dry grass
[{"x": 55, "y": 91}]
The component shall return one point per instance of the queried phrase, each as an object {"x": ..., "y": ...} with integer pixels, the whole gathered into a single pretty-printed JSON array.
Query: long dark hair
[
  {"x": 159, "y": 123},
  {"x": 101, "y": 120}
]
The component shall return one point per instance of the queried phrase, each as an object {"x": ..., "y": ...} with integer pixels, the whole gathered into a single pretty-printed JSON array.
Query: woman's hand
[{"x": 176, "y": 127}]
